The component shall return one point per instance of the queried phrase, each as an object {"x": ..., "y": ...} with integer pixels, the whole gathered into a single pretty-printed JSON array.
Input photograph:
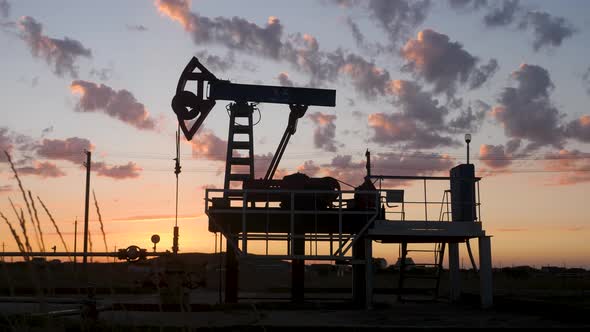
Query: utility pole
[{"x": 87, "y": 164}]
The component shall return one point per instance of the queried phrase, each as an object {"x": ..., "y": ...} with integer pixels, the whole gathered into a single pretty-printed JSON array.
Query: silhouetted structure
[{"x": 298, "y": 209}]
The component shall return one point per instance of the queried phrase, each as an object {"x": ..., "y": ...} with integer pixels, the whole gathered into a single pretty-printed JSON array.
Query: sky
[{"x": 412, "y": 77}]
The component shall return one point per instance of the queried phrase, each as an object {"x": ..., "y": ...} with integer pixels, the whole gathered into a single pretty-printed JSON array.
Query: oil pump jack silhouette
[{"x": 192, "y": 109}]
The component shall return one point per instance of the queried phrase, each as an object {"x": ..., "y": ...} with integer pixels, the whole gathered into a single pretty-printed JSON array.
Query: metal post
[
  {"x": 76, "y": 242},
  {"x": 368, "y": 273},
  {"x": 244, "y": 231},
  {"x": 485, "y": 272},
  {"x": 425, "y": 202},
  {"x": 87, "y": 164},
  {"x": 454, "y": 272}
]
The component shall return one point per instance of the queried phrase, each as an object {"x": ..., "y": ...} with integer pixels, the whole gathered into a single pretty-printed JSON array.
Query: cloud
[
  {"x": 468, "y": 4},
  {"x": 46, "y": 131},
  {"x": 4, "y": 8},
  {"x": 419, "y": 123},
  {"x": 417, "y": 104},
  {"x": 526, "y": 112},
  {"x": 586, "y": 80},
  {"x": 443, "y": 63},
  {"x": 61, "y": 54},
  {"x": 397, "y": 128},
  {"x": 494, "y": 156},
  {"x": 215, "y": 62},
  {"x": 374, "y": 48},
  {"x": 119, "y": 104},
  {"x": 470, "y": 118},
  {"x": 367, "y": 78},
  {"x": 207, "y": 145},
  {"x": 574, "y": 166},
  {"x": 503, "y": 15},
  {"x": 344, "y": 168},
  {"x": 70, "y": 149},
  {"x": 103, "y": 74},
  {"x": 6, "y": 144},
  {"x": 398, "y": 18},
  {"x": 235, "y": 33},
  {"x": 325, "y": 131},
  {"x": 548, "y": 30},
  {"x": 261, "y": 164},
  {"x": 117, "y": 172},
  {"x": 284, "y": 80},
  {"x": 309, "y": 168},
  {"x": 512, "y": 229},
  {"x": 5, "y": 188},
  {"x": 481, "y": 74},
  {"x": 579, "y": 129},
  {"x": 136, "y": 27},
  {"x": 300, "y": 50},
  {"x": 42, "y": 169}
]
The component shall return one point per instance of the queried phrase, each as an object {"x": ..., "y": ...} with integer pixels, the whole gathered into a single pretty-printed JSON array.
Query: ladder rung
[
  {"x": 241, "y": 129},
  {"x": 240, "y": 161},
  {"x": 241, "y": 145},
  {"x": 239, "y": 177}
]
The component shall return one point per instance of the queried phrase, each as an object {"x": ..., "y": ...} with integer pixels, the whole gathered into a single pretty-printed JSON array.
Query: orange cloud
[
  {"x": 575, "y": 166},
  {"x": 209, "y": 146},
  {"x": 177, "y": 10}
]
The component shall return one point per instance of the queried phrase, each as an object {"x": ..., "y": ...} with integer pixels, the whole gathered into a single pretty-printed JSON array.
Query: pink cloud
[
  {"x": 120, "y": 104},
  {"x": 117, "y": 172},
  {"x": 42, "y": 169},
  {"x": 70, "y": 149},
  {"x": 60, "y": 53}
]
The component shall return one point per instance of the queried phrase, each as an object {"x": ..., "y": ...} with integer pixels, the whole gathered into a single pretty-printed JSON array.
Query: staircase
[
  {"x": 427, "y": 275},
  {"x": 239, "y": 152}
]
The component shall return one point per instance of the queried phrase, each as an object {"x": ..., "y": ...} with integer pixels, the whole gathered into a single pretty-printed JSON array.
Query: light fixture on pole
[{"x": 467, "y": 140}]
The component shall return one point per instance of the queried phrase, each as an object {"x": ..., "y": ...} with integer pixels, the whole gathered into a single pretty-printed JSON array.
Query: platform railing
[
  {"x": 253, "y": 201},
  {"x": 444, "y": 204},
  {"x": 245, "y": 202}
]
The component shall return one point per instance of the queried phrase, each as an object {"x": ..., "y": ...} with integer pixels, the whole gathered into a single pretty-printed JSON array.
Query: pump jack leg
[{"x": 231, "y": 274}]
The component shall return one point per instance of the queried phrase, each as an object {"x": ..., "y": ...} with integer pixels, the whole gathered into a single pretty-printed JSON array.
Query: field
[{"x": 184, "y": 293}]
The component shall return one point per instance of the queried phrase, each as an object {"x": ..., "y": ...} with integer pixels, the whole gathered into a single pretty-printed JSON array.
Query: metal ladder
[
  {"x": 433, "y": 276},
  {"x": 439, "y": 253},
  {"x": 239, "y": 110}
]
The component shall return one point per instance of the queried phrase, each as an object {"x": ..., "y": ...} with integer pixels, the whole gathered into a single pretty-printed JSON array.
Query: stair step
[
  {"x": 241, "y": 145},
  {"x": 240, "y": 161},
  {"x": 241, "y": 129},
  {"x": 239, "y": 177}
]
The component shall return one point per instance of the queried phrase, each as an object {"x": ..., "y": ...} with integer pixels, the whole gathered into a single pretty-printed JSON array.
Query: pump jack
[
  {"x": 189, "y": 106},
  {"x": 192, "y": 109}
]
